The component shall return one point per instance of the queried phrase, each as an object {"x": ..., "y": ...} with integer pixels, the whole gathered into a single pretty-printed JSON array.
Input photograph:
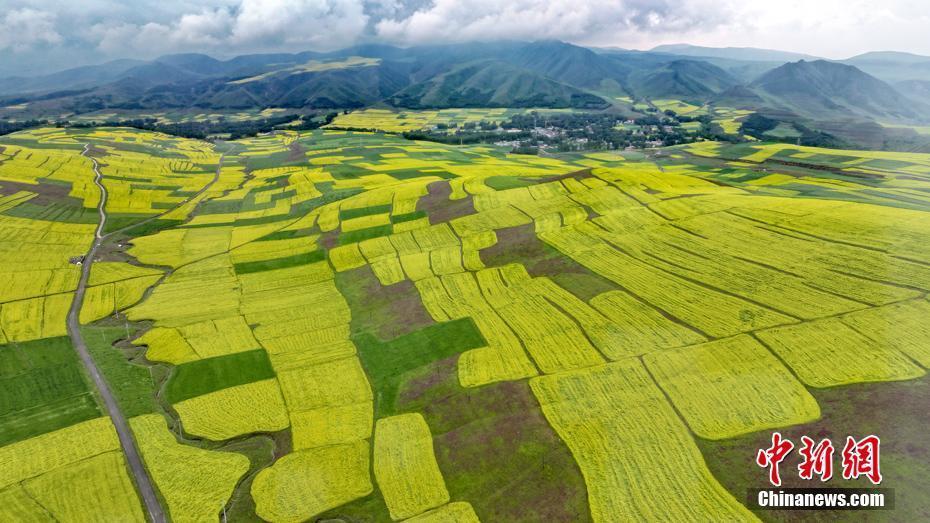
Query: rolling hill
[
  {"x": 316, "y": 84},
  {"x": 76, "y": 78},
  {"x": 571, "y": 65},
  {"x": 493, "y": 84},
  {"x": 489, "y": 74},
  {"x": 751, "y": 54},
  {"x": 892, "y": 66},
  {"x": 918, "y": 90},
  {"x": 827, "y": 90},
  {"x": 686, "y": 79},
  {"x": 547, "y": 74}
]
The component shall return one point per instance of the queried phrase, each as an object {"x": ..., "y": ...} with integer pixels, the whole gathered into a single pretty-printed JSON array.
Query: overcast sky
[{"x": 41, "y": 35}]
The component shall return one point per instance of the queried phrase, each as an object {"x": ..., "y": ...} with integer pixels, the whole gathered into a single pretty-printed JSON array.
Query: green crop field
[{"x": 337, "y": 325}]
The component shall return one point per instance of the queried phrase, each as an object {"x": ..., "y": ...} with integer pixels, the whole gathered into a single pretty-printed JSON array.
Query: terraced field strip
[
  {"x": 174, "y": 208},
  {"x": 303, "y": 484},
  {"x": 829, "y": 352},
  {"x": 638, "y": 458},
  {"x": 708, "y": 311},
  {"x": 133, "y": 459},
  {"x": 181, "y": 471},
  {"x": 405, "y": 466},
  {"x": 730, "y": 387}
]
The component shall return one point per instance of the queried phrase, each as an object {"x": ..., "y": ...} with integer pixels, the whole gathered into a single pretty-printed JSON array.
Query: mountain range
[
  {"x": 749, "y": 54},
  {"x": 885, "y": 87}
]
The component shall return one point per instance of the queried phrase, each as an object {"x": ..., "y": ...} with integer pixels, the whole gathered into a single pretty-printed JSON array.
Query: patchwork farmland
[{"x": 350, "y": 326}]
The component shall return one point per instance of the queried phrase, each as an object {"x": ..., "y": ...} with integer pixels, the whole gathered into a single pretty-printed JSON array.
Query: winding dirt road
[
  {"x": 140, "y": 475},
  {"x": 131, "y": 451}
]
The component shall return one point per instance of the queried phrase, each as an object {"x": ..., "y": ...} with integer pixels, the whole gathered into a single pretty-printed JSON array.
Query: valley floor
[{"x": 353, "y": 326}]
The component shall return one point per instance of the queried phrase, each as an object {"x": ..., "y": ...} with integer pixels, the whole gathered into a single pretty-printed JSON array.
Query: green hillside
[
  {"x": 822, "y": 89},
  {"x": 684, "y": 79},
  {"x": 493, "y": 84}
]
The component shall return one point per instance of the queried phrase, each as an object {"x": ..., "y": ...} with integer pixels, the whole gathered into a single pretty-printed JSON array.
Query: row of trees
[
  {"x": 8, "y": 126},
  {"x": 201, "y": 130}
]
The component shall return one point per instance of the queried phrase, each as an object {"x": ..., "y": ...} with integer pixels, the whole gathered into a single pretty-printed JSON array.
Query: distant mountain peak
[
  {"x": 889, "y": 56},
  {"x": 826, "y": 89},
  {"x": 693, "y": 80},
  {"x": 503, "y": 73},
  {"x": 733, "y": 53}
]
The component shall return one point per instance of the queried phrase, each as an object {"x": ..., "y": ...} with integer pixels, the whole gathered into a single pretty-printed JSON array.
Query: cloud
[
  {"x": 206, "y": 29},
  {"x": 146, "y": 28},
  {"x": 580, "y": 21},
  {"x": 42, "y": 35},
  {"x": 251, "y": 25},
  {"x": 21, "y": 29},
  {"x": 323, "y": 23}
]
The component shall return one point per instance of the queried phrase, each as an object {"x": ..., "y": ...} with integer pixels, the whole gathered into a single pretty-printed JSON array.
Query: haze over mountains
[
  {"x": 886, "y": 87},
  {"x": 733, "y": 53}
]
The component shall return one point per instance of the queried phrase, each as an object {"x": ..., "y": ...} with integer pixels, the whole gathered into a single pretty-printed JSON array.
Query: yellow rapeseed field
[
  {"x": 331, "y": 425},
  {"x": 405, "y": 467},
  {"x": 637, "y": 458},
  {"x": 194, "y": 482},
  {"x": 730, "y": 387},
  {"x": 97, "y": 489},
  {"x": 17, "y": 505},
  {"x": 234, "y": 411},
  {"x": 902, "y": 326},
  {"x": 307, "y": 482},
  {"x": 35, "y": 456},
  {"x": 828, "y": 352}
]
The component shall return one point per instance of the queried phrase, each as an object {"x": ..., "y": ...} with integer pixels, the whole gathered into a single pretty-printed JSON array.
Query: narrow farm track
[{"x": 131, "y": 451}]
